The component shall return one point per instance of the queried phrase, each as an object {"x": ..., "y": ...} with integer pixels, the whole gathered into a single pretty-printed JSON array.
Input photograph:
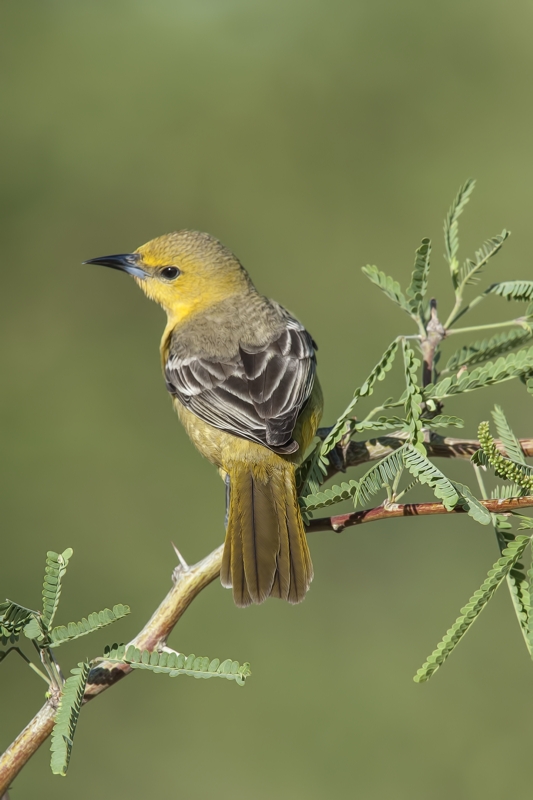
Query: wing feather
[{"x": 257, "y": 394}]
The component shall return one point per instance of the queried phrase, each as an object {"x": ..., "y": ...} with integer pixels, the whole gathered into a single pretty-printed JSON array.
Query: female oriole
[{"x": 241, "y": 373}]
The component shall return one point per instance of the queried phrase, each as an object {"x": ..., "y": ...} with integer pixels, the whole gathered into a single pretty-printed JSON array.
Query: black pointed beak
[{"x": 127, "y": 262}]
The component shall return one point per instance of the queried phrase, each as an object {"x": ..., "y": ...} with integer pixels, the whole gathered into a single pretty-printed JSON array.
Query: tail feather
[
  {"x": 266, "y": 552},
  {"x": 301, "y": 567},
  {"x": 260, "y": 536},
  {"x": 283, "y": 574},
  {"x": 232, "y": 570}
]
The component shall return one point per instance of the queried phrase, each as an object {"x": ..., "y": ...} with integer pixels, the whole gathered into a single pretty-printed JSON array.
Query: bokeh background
[{"x": 312, "y": 137}]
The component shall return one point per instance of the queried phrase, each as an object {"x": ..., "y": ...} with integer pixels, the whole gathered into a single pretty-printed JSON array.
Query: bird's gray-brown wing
[{"x": 257, "y": 394}]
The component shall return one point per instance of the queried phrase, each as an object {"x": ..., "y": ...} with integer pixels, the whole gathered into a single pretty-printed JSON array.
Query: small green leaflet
[
  {"x": 388, "y": 286},
  {"x": 486, "y": 349},
  {"x": 13, "y": 620},
  {"x": 377, "y": 374},
  {"x": 503, "y": 369},
  {"x": 471, "y": 504},
  {"x": 512, "y": 290},
  {"x": 508, "y": 439},
  {"x": 470, "y": 271},
  {"x": 66, "y": 718},
  {"x": 56, "y": 566},
  {"x": 174, "y": 664},
  {"x": 451, "y": 227},
  {"x": 417, "y": 289},
  {"x": 425, "y": 472},
  {"x": 473, "y": 608},
  {"x": 89, "y": 624},
  {"x": 413, "y": 399}
]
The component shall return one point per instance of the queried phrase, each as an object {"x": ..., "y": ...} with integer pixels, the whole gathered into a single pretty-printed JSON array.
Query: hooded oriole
[{"x": 241, "y": 373}]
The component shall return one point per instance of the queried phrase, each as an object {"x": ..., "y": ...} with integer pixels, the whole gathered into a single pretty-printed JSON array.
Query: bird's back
[{"x": 244, "y": 366}]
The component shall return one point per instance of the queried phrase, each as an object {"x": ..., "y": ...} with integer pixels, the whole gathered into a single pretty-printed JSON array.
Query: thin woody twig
[
  {"x": 27, "y": 743},
  {"x": 190, "y": 582},
  {"x": 363, "y": 452},
  {"x": 392, "y": 510}
]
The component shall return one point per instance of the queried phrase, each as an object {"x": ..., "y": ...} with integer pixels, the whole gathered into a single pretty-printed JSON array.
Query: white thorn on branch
[{"x": 182, "y": 566}]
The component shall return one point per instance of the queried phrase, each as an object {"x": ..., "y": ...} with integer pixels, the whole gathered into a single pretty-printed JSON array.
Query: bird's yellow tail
[{"x": 266, "y": 552}]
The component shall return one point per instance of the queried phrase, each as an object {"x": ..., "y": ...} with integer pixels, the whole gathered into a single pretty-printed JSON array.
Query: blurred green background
[{"x": 311, "y": 137}]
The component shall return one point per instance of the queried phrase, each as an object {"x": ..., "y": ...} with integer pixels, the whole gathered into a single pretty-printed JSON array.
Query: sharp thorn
[{"x": 182, "y": 561}]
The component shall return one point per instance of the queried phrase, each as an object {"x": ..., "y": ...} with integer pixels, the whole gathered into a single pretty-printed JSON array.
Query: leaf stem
[
  {"x": 453, "y": 313},
  {"x": 507, "y": 324},
  {"x": 480, "y": 482},
  {"x": 454, "y": 316},
  {"x": 48, "y": 661},
  {"x": 30, "y": 664}
]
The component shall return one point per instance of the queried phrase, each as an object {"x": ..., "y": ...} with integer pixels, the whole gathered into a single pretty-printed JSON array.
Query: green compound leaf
[
  {"x": 427, "y": 473},
  {"x": 312, "y": 473},
  {"x": 34, "y": 629},
  {"x": 67, "y": 718},
  {"x": 451, "y": 227},
  {"x": 413, "y": 399},
  {"x": 443, "y": 421},
  {"x": 95, "y": 621},
  {"x": 503, "y": 369},
  {"x": 56, "y": 566},
  {"x": 473, "y": 608},
  {"x": 508, "y": 439},
  {"x": 517, "y": 581},
  {"x": 480, "y": 351},
  {"x": 329, "y": 497},
  {"x": 399, "y": 424},
  {"x": 388, "y": 285},
  {"x": 14, "y": 619},
  {"x": 173, "y": 664},
  {"x": 419, "y": 279},
  {"x": 519, "y": 473},
  {"x": 504, "y": 490},
  {"x": 382, "y": 475},
  {"x": 471, "y": 504},
  {"x": 380, "y": 424},
  {"x": 378, "y": 477},
  {"x": 512, "y": 290},
  {"x": 470, "y": 272},
  {"x": 377, "y": 374},
  {"x": 528, "y": 604}
]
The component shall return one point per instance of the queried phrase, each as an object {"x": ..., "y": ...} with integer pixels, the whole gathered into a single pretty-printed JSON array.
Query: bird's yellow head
[{"x": 184, "y": 272}]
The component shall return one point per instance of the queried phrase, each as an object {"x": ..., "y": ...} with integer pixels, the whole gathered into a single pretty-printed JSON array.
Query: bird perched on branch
[{"x": 241, "y": 373}]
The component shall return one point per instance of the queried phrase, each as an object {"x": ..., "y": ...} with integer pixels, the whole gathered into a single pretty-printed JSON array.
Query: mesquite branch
[
  {"x": 355, "y": 453},
  {"x": 392, "y": 510},
  {"x": 190, "y": 581}
]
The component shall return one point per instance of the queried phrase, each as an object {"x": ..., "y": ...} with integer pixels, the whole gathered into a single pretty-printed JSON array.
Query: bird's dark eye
[{"x": 169, "y": 273}]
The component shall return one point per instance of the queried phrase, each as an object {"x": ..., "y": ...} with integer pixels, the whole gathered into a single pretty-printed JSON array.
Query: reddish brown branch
[{"x": 341, "y": 521}]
